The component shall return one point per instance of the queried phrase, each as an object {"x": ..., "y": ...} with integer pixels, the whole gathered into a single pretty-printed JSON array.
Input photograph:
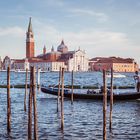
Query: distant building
[
  {"x": 38, "y": 64},
  {"x": 73, "y": 60},
  {"x": 0, "y": 63},
  {"x": 48, "y": 60},
  {"x": 47, "y": 65},
  {"x": 6, "y": 62},
  {"x": 118, "y": 64},
  {"x": 21, "y": 64},
  {"x": 53, "y": 60}
]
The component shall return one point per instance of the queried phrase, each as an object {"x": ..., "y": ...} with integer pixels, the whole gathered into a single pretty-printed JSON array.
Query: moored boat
[
  {"x": 116, "y": 75},
  {"x": 95, "y": 96},
  {"x": 20, "y": 71}
]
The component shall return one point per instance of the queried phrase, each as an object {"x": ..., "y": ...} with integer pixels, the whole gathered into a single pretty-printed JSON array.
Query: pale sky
[{"x": 100, "y": 27}]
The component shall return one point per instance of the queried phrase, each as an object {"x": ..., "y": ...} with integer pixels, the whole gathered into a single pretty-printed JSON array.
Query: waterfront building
[
  {"x": 21, "y": 64},
  {"x": 43, "y": 65},
  {"x": 73, "y": 60},
  {"x": 6, "y": 62},
  {"x": 76, "y": 60},
  {"x": 53, "y": 60},
  {"x": 46, "y": 65},
  {"x": 48, "y": 60},
  {"x": 0, "y": 63},
  {"x": 118, "y": 64}
]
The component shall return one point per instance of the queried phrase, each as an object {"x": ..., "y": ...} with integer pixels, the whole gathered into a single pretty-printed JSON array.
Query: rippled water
[
  {"x": 82, "y": 120},
  {"x": 85, "y": 78}
]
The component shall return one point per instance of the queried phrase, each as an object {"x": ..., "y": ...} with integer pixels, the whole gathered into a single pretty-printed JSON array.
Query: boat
[
  {"x": 115, "y": 75},
  {"x": 6, "y": 70},
  {"x": 20, "y": 71},
  {"x": 94, "y": 96},
  {"x": 24, "y": 71}
]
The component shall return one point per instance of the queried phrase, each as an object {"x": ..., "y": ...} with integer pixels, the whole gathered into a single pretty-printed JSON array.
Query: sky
[{"x": 100, "y": 27}]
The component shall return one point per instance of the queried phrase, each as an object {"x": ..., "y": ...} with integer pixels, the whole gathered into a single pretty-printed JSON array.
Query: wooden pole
[
  {"x": 59, "y": 83},
  {"x": 26, "y": 86},
  {"x": 8, "y": 101},
  {"x": 72, "y": 88},
  {"x": 30, "y": 109},
  {"x": 111, "y": 100},
  {"x": 104, "y": 104},
  {"x": 38, "y": 78},
  {"x": 34, "y": 104},
  {"x": 62, "y": 100}
]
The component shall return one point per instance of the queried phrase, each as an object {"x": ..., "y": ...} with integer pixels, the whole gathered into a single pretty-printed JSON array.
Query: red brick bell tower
[{"x": 30, "y": 41}]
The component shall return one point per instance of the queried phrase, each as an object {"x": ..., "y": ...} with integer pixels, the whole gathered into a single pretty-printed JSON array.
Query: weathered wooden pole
[
  {"x": 104, "y": 104},
  {"x": 62, "y": 100},
  {"x": 30, "y": 109},
  {"x": 26, "y": 86},
  {"x": 34, "y": 104},
  {"x": 111, "y": 100},
  {"x": 8, "y": 101},
  {"x": 38, "y": 77},
  {"x": 72, "y": 88},
  {"x": 59, "y": 84}
]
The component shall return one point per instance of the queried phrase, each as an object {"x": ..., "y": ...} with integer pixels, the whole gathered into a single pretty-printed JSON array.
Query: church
[{"x": 52, "y": 60}]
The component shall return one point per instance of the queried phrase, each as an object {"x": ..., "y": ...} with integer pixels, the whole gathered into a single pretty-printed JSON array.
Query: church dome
[{"x": 62, "y": 47}]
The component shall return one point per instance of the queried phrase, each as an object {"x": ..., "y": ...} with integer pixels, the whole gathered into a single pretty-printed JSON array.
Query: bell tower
[
  {"x": 30, "y": 41},
  {"x": 44, "y": 50}
]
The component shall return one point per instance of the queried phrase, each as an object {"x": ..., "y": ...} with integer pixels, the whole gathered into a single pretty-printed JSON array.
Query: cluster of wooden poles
[
  {"x": 61, "y": 94},
  {"x": 61, "y": 86},
  {"x": 32, "y": 101}
]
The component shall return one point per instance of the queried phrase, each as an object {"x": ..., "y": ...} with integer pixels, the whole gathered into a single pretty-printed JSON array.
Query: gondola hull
[{"x": 124, "y": 96}]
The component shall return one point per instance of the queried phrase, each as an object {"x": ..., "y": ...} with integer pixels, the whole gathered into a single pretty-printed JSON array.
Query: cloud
[
  {"x": 87, "y": 12},
  {"x": 12, "y": 42},
  {"x": 55, "y": 3},
  {"x": 95, "y": 42},
  {"x": 12, "y": 31},
  {"x": 101, "y": 43}
]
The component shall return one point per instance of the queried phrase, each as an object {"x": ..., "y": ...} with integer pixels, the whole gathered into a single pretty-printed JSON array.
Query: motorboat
[{"x": 116, "y": 75}]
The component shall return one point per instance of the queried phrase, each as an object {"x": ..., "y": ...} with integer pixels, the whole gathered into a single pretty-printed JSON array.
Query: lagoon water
[
  {"x": 82, "y": 120},
  {"x": 80, "y": 78}
]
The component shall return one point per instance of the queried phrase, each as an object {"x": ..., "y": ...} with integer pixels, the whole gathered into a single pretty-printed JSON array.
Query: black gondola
[{"x": 95, "y": 96}]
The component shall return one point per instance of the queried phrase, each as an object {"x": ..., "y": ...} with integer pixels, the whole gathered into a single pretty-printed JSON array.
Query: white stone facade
[{"x": 79, "y": 62}]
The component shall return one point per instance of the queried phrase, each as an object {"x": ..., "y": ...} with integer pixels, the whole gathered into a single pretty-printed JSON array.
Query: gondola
[{"x": 94, "y": 96}]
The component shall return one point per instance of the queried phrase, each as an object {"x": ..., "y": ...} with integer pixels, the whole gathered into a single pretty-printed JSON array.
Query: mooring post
[
  {"x": 104, "y": 104},
  {"x": 30, "y": 108},
  {"x": 8, "y": 101},
  {"x": 111, "y": 100},
  {"x": 34, "y": 105},
  {"x": 38, "y": 78},
  {"x": 72, "y": 87},
  {"x": 59, "y": 83},
  {"x": 26, "y": 86},
  {"x": 62, "y": 100}
]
